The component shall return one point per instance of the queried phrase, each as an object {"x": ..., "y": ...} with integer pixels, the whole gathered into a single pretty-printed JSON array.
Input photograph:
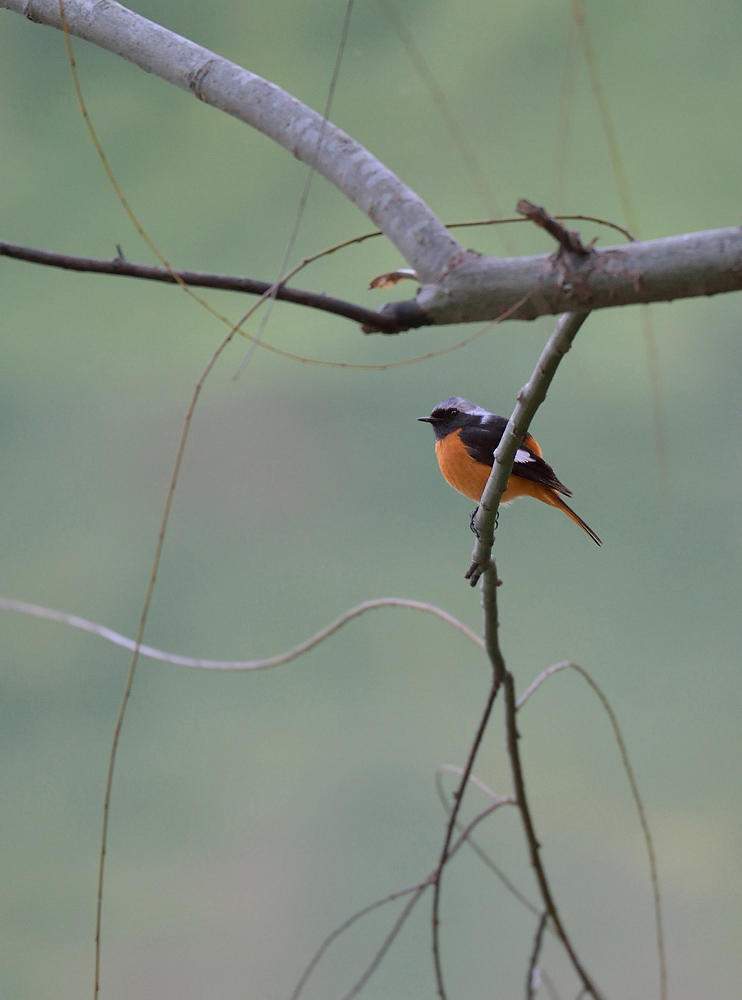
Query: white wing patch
[{"x": 523, "y": 456}]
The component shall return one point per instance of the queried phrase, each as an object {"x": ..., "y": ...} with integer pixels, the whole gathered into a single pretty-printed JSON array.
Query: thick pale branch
[
  {"x": 675, "y": 267},
  {"x": 401, "y": 215},
  {"x": 459, "y": 285}
]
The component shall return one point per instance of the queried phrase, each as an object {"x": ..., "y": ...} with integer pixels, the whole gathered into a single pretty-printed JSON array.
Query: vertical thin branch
[
  {"x": 491, "y": 626},
  {"x": 138, "y": 645},
  {"x": 483, "y": 565},
  {"x": 533, "y": 963},
  {"x": 643, "y": 821},
  {"x": 416, "y": 891},
  {"x": 530, "y": 397},
  {"x": 534, "y": 847},
  {"x": 503, "y": 676},
  {"x": 445, "y": 852}
]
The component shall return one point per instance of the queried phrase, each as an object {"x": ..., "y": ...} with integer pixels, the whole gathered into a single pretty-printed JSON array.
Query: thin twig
[
  {"x": 416, "y": 889},
  {"x": 452, "y": 120},
  {"x": 200, "y": 279},
  {"x": 119, "y": 266},
  {"x": 490, "y": 583},
  {"x": 530, "y": 397},
  {"x": 533, "y": 963},
  {"x": 534, "y": 847},
  {"x": 550, "y": 987},
  {"x": 483, "y": 565},
  {"x": 458, "y": 798},
  {"x": 383, "y": 949},
  {"x": 49, "y": 614},
  {"x": 137, "y": 646},
  {"x": 347, "y": 924},
  {"x": 565, "y": 218},
  {"x": 568, "y": 239},
  {"x": 481, "y": 854},
  {"x": 649, "y": 843},
  {"x": 183, "y": 279}
]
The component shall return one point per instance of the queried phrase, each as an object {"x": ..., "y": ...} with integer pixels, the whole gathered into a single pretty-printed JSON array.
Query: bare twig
[
  {"x": 372, "y": 321},
  {"x": 530, "y": 397},
  {"x": 200, "y": 279},
  {"x": 394, "y": 208},
  {"x": 137, "y": 646},
  {"x": 519, "y": 218},
  {"x": 483, "y": 565},
  {"x": 550, "y": 987},
  {"x": 417, "y": 890},
  {"x": 533, "y": 963},
  {"x": 459, "y": 285},
  {"x": 568, "y": 239},
  {"x": 481, "y": 854},
  {"x": 654, "y": 872},
  {"x": 445, "y": 853},
  {"x": 534, "y": 847},
  {"x": 383, "y": 949},
  {"x": 49, "y": 614}
]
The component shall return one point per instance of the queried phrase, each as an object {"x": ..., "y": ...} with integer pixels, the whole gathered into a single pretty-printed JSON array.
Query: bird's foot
[{"x": 472, "y": 525}]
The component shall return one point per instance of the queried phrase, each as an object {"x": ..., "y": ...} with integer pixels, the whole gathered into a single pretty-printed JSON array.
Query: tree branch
[
  {"x": 458, "y": 285},
  {"x": 50, "y": 614},
  {"x": 675, "y": 267},
  {"x": 629, "y": 771},
  {"x": 401, "y": 215},
  {"x": 451, "y": 827},
  {"x": 483, "y": 565},
  {"x": 530, "y": 397},
  {"x": 531, "y": 984},
  {"x": 199, "y": 279}
]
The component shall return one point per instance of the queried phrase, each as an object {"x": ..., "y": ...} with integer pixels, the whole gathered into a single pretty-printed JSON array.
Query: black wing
[{"x": 482, "y": 440}]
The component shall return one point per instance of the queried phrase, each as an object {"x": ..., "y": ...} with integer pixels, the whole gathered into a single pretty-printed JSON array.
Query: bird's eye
[{"x": 453, "y": 412}]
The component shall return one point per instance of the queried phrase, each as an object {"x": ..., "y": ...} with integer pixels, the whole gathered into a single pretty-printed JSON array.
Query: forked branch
[
  {"x": 483, "y": 565},
  {"x": 458, "y": 285}
]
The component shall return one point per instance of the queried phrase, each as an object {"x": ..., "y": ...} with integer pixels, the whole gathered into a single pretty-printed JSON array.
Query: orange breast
[
  {"x": 459, "y": 468},
  {"x": 470, "y": 477}
]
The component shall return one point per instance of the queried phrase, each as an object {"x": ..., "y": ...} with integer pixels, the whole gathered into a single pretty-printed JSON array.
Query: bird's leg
[{"x": 471, "y": 521}]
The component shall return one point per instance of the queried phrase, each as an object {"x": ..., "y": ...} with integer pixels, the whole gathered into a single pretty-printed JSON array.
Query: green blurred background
[{"x": 253, "y": 813}]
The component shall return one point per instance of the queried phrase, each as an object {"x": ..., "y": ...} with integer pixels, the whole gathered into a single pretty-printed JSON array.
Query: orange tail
[
  {"x": 519, "y": 486},
  {"x": 576, "y": 518}
]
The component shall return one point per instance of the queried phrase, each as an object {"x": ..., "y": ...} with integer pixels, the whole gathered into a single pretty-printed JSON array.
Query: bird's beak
[{"x": 426, "y": 420}]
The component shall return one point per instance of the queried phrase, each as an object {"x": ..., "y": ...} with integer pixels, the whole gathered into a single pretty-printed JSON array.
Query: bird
[{"x": 466, "y": 436}]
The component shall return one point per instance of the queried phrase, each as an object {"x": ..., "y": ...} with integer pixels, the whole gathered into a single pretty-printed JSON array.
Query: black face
[
  {"x": 449, "y": 410},
  {"x": 441, "y": 414},
  {"x": 450, "y": 415},
  {"x": 445, "y": 413}
]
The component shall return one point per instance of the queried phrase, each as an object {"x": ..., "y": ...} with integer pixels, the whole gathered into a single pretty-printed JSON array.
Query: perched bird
[{"x": 466, "y": 437}]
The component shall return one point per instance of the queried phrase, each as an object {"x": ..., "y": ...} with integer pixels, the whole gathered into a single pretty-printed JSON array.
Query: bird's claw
[{"x": 472, "y": 525}]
